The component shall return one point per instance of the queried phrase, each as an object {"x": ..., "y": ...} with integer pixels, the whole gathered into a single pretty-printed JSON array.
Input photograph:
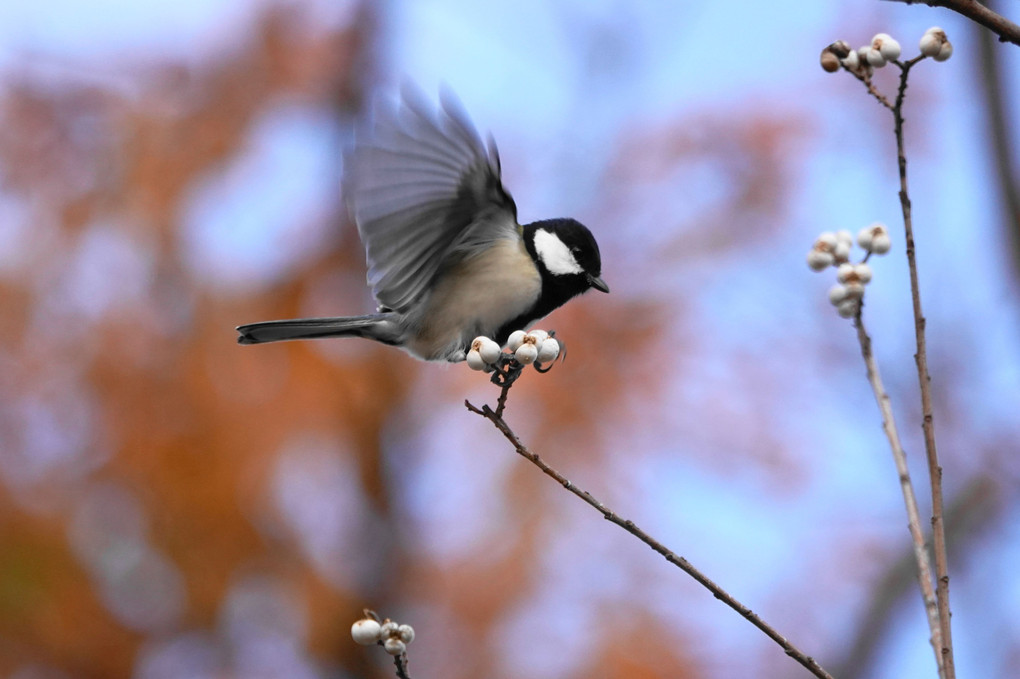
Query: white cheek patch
[{"x": 556, "y": 256}]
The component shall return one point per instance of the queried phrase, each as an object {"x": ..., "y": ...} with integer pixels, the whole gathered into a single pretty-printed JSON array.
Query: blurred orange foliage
[{"x": 155, "y": 471}]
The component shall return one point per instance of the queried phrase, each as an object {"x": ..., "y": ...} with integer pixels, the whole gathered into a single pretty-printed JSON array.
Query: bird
[{"x": 447, "y": 259}]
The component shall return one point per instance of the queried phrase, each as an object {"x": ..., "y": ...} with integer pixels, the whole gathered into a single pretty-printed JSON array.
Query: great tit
[{"x": 447, "y": 260}]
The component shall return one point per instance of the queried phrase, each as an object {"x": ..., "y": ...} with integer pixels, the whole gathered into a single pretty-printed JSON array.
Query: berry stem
[{"x": 400, "y": 663}]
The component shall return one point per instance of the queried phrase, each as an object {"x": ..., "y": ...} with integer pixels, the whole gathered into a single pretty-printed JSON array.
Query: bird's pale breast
[{"x": 504, "y": 284}]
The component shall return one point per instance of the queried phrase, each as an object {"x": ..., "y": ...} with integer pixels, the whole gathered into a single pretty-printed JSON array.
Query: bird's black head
[{"x": 568, "y": 258}]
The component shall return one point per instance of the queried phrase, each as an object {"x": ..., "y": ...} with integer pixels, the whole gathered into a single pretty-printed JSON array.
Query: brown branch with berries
[
  {"x": 496, "y": 418},
  {"x": 861, "y": 64},
  {"x": 393, "y": 637}
]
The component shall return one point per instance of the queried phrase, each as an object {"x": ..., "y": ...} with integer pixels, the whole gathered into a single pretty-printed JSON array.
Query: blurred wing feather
[{"x": 425, "y": 192}]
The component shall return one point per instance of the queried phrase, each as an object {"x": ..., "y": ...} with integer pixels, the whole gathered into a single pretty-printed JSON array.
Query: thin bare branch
[
  {"x": 976, "y": 511},
  {"x": 921, "y": 358},
  {"x": 975, "y": 11},
  {"x": 924, "y": 572},
  {"x": 629, "y": 526},
  {"x": 942, "y": 637}
]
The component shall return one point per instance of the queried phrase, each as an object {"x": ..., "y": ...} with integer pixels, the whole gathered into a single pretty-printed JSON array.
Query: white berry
[
  {"x": 841, "y": 252},
  {"x": 487, "y": 348},
  {"x": 515, "y": 340},
  {"x": 826, "y": 238},
  {"x": 887, "y": 46},
  {"x": 854, "y": 290},
  {"x": 539, "y": 335},
  {"x": 366, "y": 632},
  {"x": 818, "y": 260},
  {"x": 549, "y": 350},
  {"x": 526, "y": 353},
  {"x": 930, "y": 45},
  {"x": 475, "y": 360},
  {"x": 837, "y": 293},
  {"x": 934, "y": 43},
  {"x": 823, "y": 252},
  {"x": 394, "y": 646},
  {"x": 881, "y": 244},
  {"x": 867, "y": 237},
  {"x": 406, "y": 633},
  {"x": 891, "y": 49}
]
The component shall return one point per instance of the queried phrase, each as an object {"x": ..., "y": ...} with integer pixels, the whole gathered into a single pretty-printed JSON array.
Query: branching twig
[
  {"x": 924, "y": 574},
  {"x": 947, "y": 666},
  {"x": 495, "y": 416},
  {"x": 924, "y": 378},
  {"x": 975, "y": 11}
]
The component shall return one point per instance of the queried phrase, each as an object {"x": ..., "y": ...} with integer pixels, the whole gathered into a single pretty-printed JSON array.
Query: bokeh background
[{"x": 174, "y": 505}]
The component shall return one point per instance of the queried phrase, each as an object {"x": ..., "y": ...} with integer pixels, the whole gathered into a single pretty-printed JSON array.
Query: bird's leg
[{"x": 506, "y": 371}]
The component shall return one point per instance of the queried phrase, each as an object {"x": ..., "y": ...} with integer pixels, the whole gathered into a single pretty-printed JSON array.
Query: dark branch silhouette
[{"x": 975, "y": 11}]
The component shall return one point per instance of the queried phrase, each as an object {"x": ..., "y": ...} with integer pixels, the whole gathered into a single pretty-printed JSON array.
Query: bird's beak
[{"x": 597, "y": 283}]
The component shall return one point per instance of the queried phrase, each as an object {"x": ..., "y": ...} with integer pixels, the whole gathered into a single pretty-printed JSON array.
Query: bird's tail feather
[{"x": 310, "y": 328}]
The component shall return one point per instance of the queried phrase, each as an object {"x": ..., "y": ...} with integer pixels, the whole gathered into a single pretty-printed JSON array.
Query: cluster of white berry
[
  {"x": 534, "y": 346},
  {"x": 833, "y": 249},
  {"x": 392, "y": 636},
  {"x": 936, "y": 45},
  {"x": 882, "y": 49}
]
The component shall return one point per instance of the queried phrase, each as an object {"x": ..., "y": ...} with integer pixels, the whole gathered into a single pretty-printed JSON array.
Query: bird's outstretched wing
[{"x": 424, "y": 191}]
